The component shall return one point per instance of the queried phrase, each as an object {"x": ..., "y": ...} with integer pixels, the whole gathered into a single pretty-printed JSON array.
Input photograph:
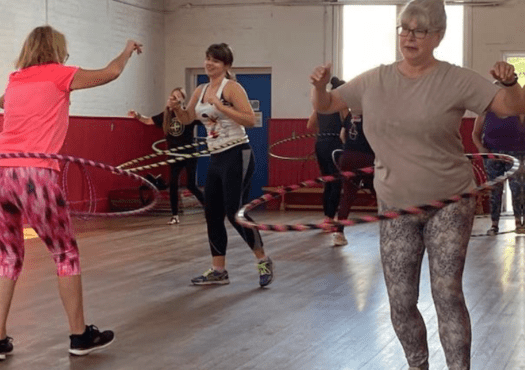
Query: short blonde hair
[
  {"x": 44, "y": 45},
  {"x": 429, "y": 14}
]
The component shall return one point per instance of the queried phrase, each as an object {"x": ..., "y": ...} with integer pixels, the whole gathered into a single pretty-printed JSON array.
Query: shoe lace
[
  {"x": 263, "y": 268},
  {"x": 207, "y": 272}
]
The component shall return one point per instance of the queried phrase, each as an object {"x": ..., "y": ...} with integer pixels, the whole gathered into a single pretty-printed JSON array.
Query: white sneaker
[
  {"x": 174, "y": 220},
  {"x": 339, "y": 239}
]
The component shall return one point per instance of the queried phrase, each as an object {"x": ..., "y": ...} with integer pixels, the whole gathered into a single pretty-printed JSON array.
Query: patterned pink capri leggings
[{"x": 34, "y": 193}]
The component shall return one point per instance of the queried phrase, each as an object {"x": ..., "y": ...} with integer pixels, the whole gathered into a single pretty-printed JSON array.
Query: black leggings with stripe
[{"x": 227, "y": 188}]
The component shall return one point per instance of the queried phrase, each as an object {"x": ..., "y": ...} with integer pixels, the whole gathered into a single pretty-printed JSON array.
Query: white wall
[
  {"x": 289, "y": 40},
  {"x": 96, "y": 31},
  {"x": 495, "y": 31}
]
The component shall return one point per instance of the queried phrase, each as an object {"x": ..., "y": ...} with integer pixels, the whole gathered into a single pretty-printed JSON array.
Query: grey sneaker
[
  {"x": 265, "y": 272},
  {"x": 493, "y": 231},
  {"x": 211, "y": 277},
  {"x": 339, "y": 239}
]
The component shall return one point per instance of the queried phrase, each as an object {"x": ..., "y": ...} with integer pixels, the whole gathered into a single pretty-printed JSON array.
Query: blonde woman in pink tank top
[{"x": 36, "y": 115}]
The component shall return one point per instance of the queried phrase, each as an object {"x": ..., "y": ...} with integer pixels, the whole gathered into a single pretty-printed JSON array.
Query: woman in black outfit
[
  {"x": 328, "y": 127},
  {"x": 177, "y": 135}
]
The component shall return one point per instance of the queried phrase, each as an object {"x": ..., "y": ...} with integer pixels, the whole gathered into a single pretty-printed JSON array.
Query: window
[
  {"x": 518, "y": 61},
  {"x": 369, "y": 37}
]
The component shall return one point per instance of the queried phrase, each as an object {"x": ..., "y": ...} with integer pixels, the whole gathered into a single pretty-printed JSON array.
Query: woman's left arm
[
  {"x": 241, "y": 111},
  {"x": 510, "y": 100}
]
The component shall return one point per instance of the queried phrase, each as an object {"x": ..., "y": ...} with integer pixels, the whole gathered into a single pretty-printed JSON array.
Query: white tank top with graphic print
[{"x": 219, "y": 127}]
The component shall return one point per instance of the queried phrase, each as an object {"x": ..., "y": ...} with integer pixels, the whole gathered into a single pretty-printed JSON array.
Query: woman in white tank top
[{"x": 223, "y": 107}]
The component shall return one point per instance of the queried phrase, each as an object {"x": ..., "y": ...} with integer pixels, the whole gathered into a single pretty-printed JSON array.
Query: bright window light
[
  {"x": 370, "y": 39},
  {"x": 451, "y": 48},
  {"x": 518, "y": 61}
]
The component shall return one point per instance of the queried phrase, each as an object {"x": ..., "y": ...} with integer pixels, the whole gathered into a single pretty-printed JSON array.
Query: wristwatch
[{"x": 509, "y": 84}]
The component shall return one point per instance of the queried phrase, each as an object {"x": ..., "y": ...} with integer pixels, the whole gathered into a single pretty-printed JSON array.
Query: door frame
[{"x": 192, "y": 73}]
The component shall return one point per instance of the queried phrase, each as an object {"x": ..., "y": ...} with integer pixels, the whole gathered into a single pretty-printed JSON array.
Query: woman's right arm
[
  {"x": 85, "y": 79},
  {"x": 186, "y": 116},
  {"x": 145, "y": 120},
  {"x": 477, "y": 132}
]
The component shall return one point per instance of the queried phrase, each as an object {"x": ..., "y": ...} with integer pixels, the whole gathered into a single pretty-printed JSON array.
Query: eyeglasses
[{"x": 418, "y": 32}]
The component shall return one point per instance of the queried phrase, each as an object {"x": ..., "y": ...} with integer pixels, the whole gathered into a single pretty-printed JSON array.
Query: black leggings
[
  {"x": 227, "y": 188},
  {"x": 332, "y": 190},
  {"x": 191, "y": 172}
]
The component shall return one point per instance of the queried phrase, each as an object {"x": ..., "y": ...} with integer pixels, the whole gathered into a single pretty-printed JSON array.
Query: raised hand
[
  {"x": 321, "y": 76},
  {"x": 133, "y": 45},
  {"x": 173, "y": 104},
  {"x": 133, "y": 114},
  {"x": 503, "y": 72}
]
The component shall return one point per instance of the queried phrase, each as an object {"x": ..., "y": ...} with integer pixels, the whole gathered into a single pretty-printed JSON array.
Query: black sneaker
[
  {"x": 90, "y": 341},
  {"x": 265, "y": 269},
  {"x": 6, "y": 347}
]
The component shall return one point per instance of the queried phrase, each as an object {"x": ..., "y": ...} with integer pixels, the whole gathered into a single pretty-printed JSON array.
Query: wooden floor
[{"x": 326, "y": 310}]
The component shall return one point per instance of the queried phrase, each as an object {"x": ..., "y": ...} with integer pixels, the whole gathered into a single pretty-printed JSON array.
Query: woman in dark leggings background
[
  {"x": 177, "y": 135},
  {"x": 356, "y": 154},
  {"x": 328, "y": 126}
]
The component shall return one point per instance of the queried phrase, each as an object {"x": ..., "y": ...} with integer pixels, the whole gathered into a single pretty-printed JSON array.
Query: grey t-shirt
[{"x": 412, "y": 124}]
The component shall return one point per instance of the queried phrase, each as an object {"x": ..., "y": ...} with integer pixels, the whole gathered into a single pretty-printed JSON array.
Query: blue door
[{"x": 258, "y": 88}]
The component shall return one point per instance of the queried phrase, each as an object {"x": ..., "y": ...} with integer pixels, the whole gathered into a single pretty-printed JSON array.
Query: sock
[{"x": 218, "y": 269}]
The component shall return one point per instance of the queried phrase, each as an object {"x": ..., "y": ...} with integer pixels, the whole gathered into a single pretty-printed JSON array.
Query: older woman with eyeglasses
[{"x": 414, "y": 109}]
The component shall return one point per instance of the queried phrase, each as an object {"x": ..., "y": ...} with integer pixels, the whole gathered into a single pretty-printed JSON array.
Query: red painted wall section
[
  {"x": 114, "y": 140},
  {"x": 467, "y": 125},
  {"x": 110, "y": 140},
  {"x": 284, "y": 172},
  {"x": 290, "y": 172}
]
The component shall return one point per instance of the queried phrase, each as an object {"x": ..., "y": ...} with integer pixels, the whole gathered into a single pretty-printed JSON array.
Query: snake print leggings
[{"x": 444, "y": 234}]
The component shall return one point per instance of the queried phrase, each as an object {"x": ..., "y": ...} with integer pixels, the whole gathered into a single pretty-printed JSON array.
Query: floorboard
[{"x": 326, "y": 310}]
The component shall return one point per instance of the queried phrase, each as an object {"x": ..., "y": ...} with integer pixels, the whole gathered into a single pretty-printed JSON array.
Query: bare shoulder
[{"x": 233, "y": 88}]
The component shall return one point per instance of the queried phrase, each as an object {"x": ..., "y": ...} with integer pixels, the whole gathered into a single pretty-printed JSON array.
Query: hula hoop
[
  {"x": 438, "y": 204},
  {"x": 103, "y": 166},
  {"x": 159, "y": 153},
  {"x": 498, "y": 233},
  {"x": 177, "y": 159},
  {"x": 92, "y": 193},
  {"x": 173, "y": 151},
  {"x": 293, "y": 138}
]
